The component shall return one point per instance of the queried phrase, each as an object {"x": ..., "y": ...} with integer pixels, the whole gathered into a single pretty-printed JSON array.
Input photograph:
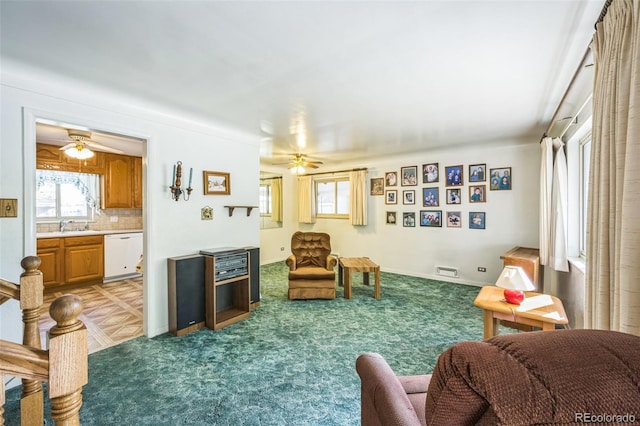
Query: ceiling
[{"x": 339, "y": 81}]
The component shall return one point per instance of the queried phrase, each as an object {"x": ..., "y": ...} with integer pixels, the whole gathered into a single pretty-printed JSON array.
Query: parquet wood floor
[{"x": 112, "y": 312}]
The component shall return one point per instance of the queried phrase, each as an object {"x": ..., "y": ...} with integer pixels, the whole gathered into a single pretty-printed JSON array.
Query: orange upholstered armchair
[{"x": 311, "y": 267}]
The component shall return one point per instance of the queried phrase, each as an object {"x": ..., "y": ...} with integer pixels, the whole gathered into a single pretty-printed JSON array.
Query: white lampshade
[
  {"x": 297, "y": 170},
  {"x": 79, "y": 152},
  {"x": 514, "y": 278}
]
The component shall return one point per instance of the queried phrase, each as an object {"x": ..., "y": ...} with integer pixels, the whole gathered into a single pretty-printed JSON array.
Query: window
[
  {"x": 65, "y": 195},
  {"x": 585, "y": 159},
  {"x": 265, "y": 199},
  {"x": 332, "y": 197}
]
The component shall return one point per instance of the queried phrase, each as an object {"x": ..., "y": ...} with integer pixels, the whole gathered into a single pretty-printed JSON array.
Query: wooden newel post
[
  {"x": 68, "y": 360},
  {"x": 31, "y": 299}
]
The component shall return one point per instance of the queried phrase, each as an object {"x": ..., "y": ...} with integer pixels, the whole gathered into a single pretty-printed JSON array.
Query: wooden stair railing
[{"x": 64, "y": 366}]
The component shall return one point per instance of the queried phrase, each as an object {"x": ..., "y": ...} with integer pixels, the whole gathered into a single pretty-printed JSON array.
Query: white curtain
[
  {"x": 358, "y": 197},
  {"x": 276, "y": 199},
  {"x": 613, "y": 212},
  {"x": 306, "y": 203},
  {"x": 553, "y": 205}
]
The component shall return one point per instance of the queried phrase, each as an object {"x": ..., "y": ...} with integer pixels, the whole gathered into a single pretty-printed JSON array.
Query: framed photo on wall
[
  {"x": 391, "y": 196},
  {"x": 391, "y": 218},
  {"x": 477, "y": 193},
  {"x": 454, "y": 175},
  {"x": 431, "y": 197},
  {"x": 409, "y": 176},
  {"x": 477, "y": 173},
  {"x": 409, "y": 219},
  {"x": 477, "y": 220},
  {"x": 391, "y": 179},
  {"x": 454, "y": 219},
  {"x": 431, "y": 218},
  {"x": 216, "y": 183},
  {"x": 454, "y": 196},
  {"x": 409, "y": 197},
  {"x": 430, "y": 173},
  {"x": 377, "y": 186},
  {"x": 500, "y": 179}
]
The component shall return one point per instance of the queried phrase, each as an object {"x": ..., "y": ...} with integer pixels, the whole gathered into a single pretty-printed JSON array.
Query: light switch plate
[{"x": 8, "y": 207}]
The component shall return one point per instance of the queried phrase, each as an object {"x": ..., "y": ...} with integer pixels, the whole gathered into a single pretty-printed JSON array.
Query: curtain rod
[
  {"x": 336, "y": 171},
  {"x": 582, "y": 65},
  {"x": 603, "y": 13},
  {"x": 271, "y": 178}
]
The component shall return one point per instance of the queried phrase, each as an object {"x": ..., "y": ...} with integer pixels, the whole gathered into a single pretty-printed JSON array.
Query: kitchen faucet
[{"x": 64, "y": 223}]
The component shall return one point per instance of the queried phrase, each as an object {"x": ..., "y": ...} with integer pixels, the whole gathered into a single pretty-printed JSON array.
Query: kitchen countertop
[{"x": 58, "y": 234}]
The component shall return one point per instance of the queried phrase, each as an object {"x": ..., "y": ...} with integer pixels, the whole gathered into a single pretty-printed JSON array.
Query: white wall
[
  {"x": 171, "y": 228},
  {"x": 511, "y": 218}
]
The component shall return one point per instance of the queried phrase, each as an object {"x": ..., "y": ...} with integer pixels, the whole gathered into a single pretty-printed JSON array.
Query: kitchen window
[
  {"x": 332, "y": 197},
  {"x": 66, "y": 195}
]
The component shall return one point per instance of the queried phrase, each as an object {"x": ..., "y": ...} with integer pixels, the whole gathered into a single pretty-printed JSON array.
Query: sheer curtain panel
[
  {"x": 276, "y": 200},
  {"x": 553, "y": 205},
  {"x": 613, "y": 233}
]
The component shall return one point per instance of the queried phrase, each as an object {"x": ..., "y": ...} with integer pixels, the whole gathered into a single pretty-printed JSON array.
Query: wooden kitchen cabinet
[
  {"x": 50, "y": 157},
  {"x": 137, "y": 182},
  {"x": 71, "y": 260},
  {"x": 117, "y": 183},
  {"x": 83, "y": 259},
  {"x": 50, "y": 252}
]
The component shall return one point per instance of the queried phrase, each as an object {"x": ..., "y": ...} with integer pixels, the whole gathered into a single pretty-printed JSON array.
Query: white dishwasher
[{"x": 121, "y": 255}]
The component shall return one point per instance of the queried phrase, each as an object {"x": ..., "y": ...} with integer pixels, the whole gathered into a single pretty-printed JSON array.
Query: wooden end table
[
  {"x": 537, "y": 310},
  {"x": 347, "y": 265}
]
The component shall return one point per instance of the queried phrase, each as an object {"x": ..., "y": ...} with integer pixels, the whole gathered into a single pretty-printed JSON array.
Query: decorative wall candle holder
[{"x": 176, "y": 183}]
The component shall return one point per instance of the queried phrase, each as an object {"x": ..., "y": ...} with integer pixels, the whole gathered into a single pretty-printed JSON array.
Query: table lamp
[{"x": 515, "y": 282}]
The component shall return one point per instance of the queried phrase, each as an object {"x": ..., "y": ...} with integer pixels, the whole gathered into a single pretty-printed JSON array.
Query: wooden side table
[
  {"x": 537, "y": 310},
  {"x": 347, "y": 265}
]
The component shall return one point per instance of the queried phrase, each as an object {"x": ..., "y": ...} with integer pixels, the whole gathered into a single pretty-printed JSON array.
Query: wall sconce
[{"x": 176, "y": 182}]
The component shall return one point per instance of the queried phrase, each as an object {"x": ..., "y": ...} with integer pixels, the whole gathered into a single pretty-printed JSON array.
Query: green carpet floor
[{"x": 291, "y": 363}]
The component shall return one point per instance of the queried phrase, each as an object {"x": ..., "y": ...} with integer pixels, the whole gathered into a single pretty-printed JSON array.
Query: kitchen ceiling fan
[{"x": 81, "y": 143}]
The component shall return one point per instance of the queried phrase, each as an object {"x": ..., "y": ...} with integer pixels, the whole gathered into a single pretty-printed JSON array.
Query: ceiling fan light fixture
[
  {"x": 79, "y": 151},
  {"x": 297, "y": 170}
]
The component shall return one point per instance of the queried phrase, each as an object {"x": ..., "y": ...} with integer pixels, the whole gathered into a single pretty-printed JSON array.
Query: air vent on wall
[{"x": 447, "y": 271}]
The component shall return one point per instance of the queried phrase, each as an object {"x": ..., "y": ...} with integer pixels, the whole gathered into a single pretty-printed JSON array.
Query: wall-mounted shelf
[{"x": 249, "y": 208}]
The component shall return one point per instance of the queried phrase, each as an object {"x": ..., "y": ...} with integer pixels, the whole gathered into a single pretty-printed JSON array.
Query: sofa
[
  {"x": 540, "y": 377},
  {"x": 312, "y": 272}
]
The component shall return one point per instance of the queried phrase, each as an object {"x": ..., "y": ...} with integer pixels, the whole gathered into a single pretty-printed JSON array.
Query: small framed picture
[
  {"x": 477, "y": 220},
  {"x": 377, "y": 186},
  {"x": 477, "y": 193},
  {"x": 454, "y": 196},
  {"x": 391, "y": 196},
  {"x": 454, "y": 219},
  {"x": 391, "y": 218},
  {"x": 431, "y": 218},
  {"x": 409, "y": 175},
  {"x": 454, "y": 175},
  {"x": 431, "y": 197},
  {"x": 500, "y": 179},
  {"x": 430, "y": 173},
  {"x": 391, "y": 179},
  {"x": 409, "y": 197},
  {"x": 409, "y": 219},
  {"x": 477, "y": 172},
  {"x": 216, "y": 183}
]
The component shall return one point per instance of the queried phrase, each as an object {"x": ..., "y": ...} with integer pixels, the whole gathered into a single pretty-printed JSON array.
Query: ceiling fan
[
  {"x": 79, "y": 148},
  {"x": 299, "y": 162}
]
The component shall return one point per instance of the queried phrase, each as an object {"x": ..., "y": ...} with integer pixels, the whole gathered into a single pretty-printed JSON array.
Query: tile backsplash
[{"x": 126, "y": 219}]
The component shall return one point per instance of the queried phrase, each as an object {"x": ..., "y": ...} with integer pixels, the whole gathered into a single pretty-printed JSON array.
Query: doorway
[{"x": 114, "y": 309}]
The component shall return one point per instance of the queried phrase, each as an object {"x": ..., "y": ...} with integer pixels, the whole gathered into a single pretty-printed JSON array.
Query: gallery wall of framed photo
[{"x": 433, "y": 194}]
